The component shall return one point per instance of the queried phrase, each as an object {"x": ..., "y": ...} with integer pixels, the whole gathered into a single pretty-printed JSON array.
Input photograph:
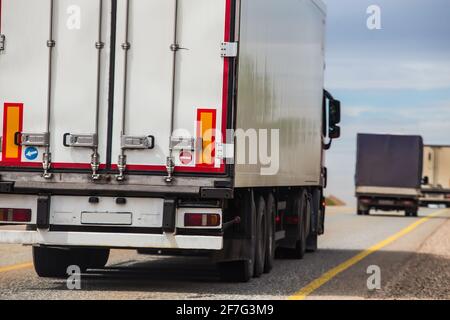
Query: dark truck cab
[{"x": 389, "y": 173}]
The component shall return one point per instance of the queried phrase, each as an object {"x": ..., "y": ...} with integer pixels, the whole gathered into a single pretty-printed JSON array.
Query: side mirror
[
  {"x": 335, "y": 132},
  {"x": 335, "y": 112},
  {"x": 425, "y": 181}
]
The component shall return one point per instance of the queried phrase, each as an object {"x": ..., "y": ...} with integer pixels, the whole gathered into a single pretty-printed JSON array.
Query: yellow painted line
[
  {"x": 326, "y": 277},
  {"x": 16, "y": 267}
]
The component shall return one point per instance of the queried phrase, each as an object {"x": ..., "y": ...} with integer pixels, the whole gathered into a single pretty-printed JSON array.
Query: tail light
[
  {"x": 15, "y": 215},
  {"x": 292, "y": 219},
  {"x": 201, "y": 220},
  {"x": 408, "y": 203}
]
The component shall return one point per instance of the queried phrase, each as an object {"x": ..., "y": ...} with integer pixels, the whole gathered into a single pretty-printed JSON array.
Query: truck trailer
[
  {"x": 436, "y": 175},
  {"x": 184, "y": 126},
  {"x": 388, "y": 173}
]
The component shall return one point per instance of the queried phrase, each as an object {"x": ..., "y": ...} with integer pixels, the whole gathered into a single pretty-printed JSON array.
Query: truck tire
[
  {"x": 270, "y": 244},
  {"x": 261, "y": 238},
  {"x": 243, "y": 270},
  {"x": 236, "y": 271},
  {"x": 53, "y": 262},
  {"x": 312, "y": 240},
  {"x": 412, "y": 212},
  {"x": 96, "y": 258},
  {"x": 363, "y": 210},
  {"x": 300, "y": 249},
  {"x": 300, "y": 207},
  {"x": 312, "y": 243}
]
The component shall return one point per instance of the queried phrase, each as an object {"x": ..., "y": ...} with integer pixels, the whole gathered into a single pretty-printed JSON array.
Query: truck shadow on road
[
  {"x": 196, "y": 278},
  {"x": 402, "y": 216}
]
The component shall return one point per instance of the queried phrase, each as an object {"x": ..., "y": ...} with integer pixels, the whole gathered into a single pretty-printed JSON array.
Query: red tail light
[
  {"x": 15, "y": 215},
  {"x": 201, "y": 220},
  {"x": 292, "y": 220}
]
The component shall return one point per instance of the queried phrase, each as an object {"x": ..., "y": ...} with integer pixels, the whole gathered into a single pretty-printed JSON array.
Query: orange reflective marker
[
  {"x": 206, "y": 129},
  {"x": 12, "y": 123}
]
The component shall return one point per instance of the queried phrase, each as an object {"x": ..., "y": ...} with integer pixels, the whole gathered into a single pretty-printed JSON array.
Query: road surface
[{"x": 411, "y": 254}]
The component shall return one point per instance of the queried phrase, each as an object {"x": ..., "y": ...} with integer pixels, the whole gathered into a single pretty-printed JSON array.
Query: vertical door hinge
[
  {"x": 229, "y": 49},
  {"x": 2, "y": 42}
]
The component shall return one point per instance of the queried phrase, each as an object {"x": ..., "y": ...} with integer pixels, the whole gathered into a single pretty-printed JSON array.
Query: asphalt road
[{"x": 412, "y": 254}]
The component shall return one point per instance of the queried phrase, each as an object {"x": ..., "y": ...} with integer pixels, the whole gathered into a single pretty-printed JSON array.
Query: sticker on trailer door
[
  {"x": 31, "y": 153},
  {"x": 186, "y": 158}
]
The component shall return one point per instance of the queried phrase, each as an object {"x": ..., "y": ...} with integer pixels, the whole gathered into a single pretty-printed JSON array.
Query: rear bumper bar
[
  {"x": 111, "y": 240},
  {"x": 134, "y": 186}
]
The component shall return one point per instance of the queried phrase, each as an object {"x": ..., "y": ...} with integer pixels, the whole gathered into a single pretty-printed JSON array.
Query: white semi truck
[
  {"x": 193, "y": 126},
  {"x": 436, "y": 175}
]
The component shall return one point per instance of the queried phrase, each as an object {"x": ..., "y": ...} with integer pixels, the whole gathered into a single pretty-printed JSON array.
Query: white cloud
[
  {"x": 356, "y": 111},
  {"x": 387, "y": 74}
]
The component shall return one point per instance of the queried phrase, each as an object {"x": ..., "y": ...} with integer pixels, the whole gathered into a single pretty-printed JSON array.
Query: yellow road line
[
  {"x": 319, "y": 282},
  {"x": 16, "y": 267}
]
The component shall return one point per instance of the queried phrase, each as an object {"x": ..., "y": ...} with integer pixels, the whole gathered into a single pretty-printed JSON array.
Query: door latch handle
[{"x": 138, "y": 142}]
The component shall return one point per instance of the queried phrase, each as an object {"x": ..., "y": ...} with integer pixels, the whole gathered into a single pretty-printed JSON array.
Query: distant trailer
[
  {"x": 389, "y": 173},
  {"x": 436, "y": 173}
]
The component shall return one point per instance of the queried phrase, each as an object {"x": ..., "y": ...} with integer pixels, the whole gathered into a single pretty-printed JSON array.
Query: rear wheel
[
  {"x": 363, "y": 212},
  {"x": 54, "y": 262},
  {"x": 270, "y": 243},
  {"x": 261, "y": 231},
  {"x": 236, "y": 271},
  {"x": 412, "y": 212},
  {"x": 312, "y": 240},
  {"x": 243, "y": 270},
  {"x": 300, "y": 208},
  {"x": 96, "y": 258}
]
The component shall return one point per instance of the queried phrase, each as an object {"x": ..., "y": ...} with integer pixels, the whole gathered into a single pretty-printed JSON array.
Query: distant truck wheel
[
  {"x": 412, "y": 212},
  {"x": 363, "y": 212}
]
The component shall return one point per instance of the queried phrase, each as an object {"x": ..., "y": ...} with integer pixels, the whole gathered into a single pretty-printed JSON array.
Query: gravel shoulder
[{"x": 426, "y": 275}]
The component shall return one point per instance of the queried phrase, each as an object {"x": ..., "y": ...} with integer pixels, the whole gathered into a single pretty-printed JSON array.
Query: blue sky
[{"x": 393, "y": 80}]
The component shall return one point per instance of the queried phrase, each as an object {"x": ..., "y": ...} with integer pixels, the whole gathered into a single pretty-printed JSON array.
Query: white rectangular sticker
[{"x": 107, "y": 218}]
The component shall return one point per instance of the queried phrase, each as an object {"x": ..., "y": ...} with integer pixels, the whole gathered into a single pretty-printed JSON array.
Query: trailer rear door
[
  {"x": 54, "y": 82},
  {"x": 170, "y": 77}
]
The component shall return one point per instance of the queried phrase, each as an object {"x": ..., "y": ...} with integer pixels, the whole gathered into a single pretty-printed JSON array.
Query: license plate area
[
  {"x": 107, "y": 218},
  {"x": 386, "y": 202}
]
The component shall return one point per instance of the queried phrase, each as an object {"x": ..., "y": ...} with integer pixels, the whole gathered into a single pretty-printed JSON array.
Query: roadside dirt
[{"x": 427, "y": 274}]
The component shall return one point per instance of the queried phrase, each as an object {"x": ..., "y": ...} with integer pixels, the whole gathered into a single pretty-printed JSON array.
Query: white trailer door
[
  {"x": 24, "y": 29},
  {"x": 54, "y": 82},
  {"x": 171, "y": 85}
]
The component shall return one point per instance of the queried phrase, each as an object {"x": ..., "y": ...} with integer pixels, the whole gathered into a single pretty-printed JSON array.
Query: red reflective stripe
[
  {"x": 226, "y": 78},
  {"x": 0, "y": 16}
]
